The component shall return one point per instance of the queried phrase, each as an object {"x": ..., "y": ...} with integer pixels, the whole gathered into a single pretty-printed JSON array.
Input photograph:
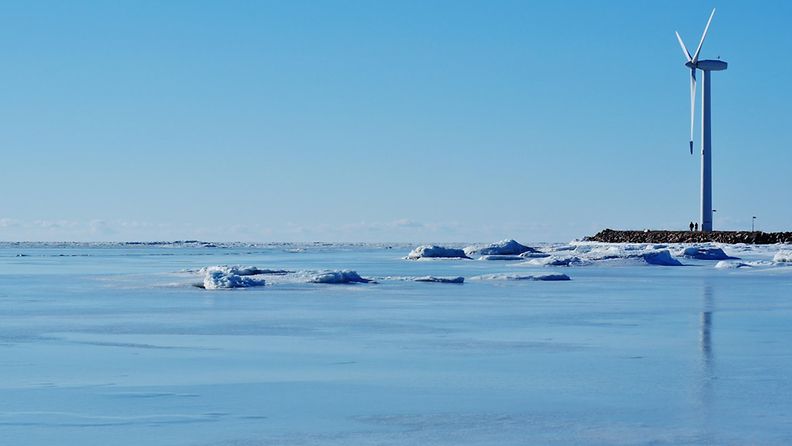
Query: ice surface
[
  {"x": 111, "y": 344},
  {"x": 432, "y": 251},
  {"x": 503, "y": 247}
]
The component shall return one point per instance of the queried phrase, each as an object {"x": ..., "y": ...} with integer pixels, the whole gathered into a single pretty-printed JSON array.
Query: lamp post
[
  {"x": 753, "y": 220},
  {"x": 713, "y": 217}
]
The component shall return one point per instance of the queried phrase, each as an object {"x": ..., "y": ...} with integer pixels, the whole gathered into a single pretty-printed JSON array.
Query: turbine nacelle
[
  {"x": 693, "y": 63},
  {"x": 708, "y": 65}
]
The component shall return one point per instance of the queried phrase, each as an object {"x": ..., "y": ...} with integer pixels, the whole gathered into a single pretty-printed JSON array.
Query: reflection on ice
[
  {"x": 705, "y": 346},
  {"x": 706, "y": 328}
]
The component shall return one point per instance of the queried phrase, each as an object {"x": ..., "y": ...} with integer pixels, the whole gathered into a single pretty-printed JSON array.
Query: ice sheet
[{"x": 114, "y": 345}]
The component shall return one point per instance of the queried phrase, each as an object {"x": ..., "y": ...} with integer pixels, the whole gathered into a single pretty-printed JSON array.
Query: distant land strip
[{"x": 653, "y": 236}]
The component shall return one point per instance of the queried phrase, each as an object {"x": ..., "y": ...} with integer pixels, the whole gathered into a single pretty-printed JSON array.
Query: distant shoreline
[{"x": 659, "y": 236}]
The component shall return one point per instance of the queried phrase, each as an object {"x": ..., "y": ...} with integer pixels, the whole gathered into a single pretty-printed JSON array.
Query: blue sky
[{"x": 383, "y": 121}]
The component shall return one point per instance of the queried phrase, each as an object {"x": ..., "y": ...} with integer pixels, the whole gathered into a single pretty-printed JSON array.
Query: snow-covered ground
[{"x": 322, "y": 344}]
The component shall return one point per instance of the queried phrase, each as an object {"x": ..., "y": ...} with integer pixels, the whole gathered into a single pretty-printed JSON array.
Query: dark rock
[{"x": 651, "y": 236}]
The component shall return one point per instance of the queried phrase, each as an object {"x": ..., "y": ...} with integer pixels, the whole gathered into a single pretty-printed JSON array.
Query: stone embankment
[{"x": 650, "y": 236}]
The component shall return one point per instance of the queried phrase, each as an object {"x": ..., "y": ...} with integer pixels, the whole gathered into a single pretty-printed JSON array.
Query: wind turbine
[{"x": 707, "y": 66}]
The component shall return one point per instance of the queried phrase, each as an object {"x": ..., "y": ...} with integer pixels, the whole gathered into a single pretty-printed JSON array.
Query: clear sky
[{"x": 384, "y": 121}]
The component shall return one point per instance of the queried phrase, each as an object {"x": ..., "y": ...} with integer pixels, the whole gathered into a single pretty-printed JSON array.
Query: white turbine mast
[{"x": 707, "y": 66}]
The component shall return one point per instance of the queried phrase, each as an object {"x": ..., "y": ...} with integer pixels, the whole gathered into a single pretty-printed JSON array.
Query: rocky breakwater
[{"x": 652, "y": 236}]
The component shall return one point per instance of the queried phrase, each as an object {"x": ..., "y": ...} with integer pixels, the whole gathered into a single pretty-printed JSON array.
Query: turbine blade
[
  {"x": 684, "y": 48},
  {"x": 692, "y": 105},
  {"x": 698, "y": 50}
]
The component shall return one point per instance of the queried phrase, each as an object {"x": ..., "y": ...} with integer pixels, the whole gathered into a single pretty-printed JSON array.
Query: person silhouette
[
  {"x": 696, "y": 226},
  {"x": 691, "y": 226}
]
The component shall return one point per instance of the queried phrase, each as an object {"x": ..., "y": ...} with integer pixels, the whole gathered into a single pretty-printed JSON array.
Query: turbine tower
[{"x": 707, "y": 66}]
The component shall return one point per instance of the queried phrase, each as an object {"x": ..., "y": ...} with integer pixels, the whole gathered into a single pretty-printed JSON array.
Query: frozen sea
[{"x": 113, "y": 344}]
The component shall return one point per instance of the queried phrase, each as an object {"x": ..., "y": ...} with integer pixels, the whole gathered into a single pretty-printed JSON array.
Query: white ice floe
[
  {"x": 557, "y": 261},
  {"x": 749, "y": 253},
  {"x": 662, "y": 257},
  {"x": 706, "y": 253},
  {"x": 217, "y": 277},
  {"x": 783, "y": 257},
  {"x": 503, "y": 247},
  {"x": 731, "y": 264},
  {"x": 434, "y": 279},
  {"x": 224, "y": 276},
  {"x": 589, "y": 255},
  {"x": 338, "y": 277},
  {"x": 538, "y": 277},
  {"x": 501, "y": 257},
  {"x": 432, "y": 251},
  {"x": 534, "y": 255},
  {"x": 240, "y": 270}
]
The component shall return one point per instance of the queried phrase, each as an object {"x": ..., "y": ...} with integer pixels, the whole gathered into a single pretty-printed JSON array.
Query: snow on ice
[
  {"x": 219, "y": 277},
  {"x": 783, "y": 256},
  {"x": 503, "y": 247},
  {"x": 708, "y": 253},
  {"x": 432, "y": 251},
  {"x": 338, "y": 277},
  {"x": 434, "y": 279}
]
